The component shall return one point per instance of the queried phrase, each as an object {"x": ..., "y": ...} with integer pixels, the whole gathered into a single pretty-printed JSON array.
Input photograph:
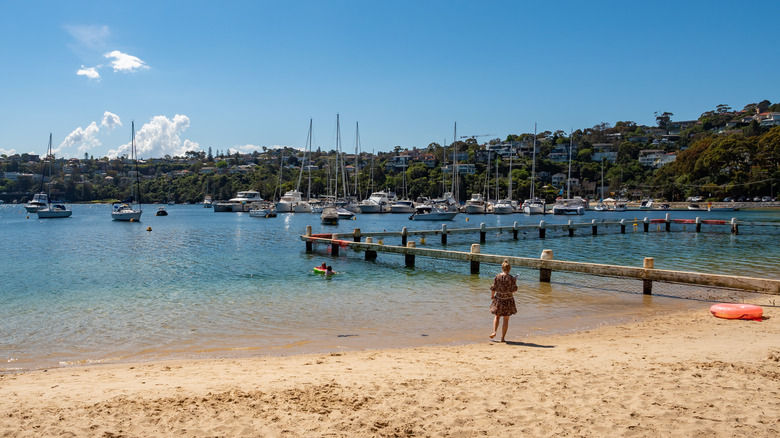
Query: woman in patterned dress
[{"x": 503, "y": 304}]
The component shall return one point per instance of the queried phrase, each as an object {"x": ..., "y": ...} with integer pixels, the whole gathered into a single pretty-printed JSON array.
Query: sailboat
[
  {"x": 570, "y": 205},
  {"x": 506, "y": 205},
  {"x": 130, "y": 209},
  {"x": 52, "y": 211},
  {"x": 533, "y": 205}
]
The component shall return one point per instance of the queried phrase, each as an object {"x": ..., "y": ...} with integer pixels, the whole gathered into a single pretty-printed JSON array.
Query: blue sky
[{"x": 243, "y": 75}]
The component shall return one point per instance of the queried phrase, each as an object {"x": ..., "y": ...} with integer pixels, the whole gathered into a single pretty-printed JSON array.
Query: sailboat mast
[
  {"x": 533, "y": 166},
  {"x": 568, "y": 180},
  {"x": 509, "y": 192},
  {"x": 357, "y": 154},
  {"x": 50, "y": 159},
  {"x": 308, "y": 164},
  {"x": 454, "y": 162}
]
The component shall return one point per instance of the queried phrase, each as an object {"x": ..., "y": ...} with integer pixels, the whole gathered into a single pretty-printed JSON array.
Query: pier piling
[
  {"x": 698, "y": 225},
  {"x": 541, "y": 229},
  {"x": 647, "y": 225},
  {"x": 668, "y": 222},
  {"x": 734, "y": 226},
  {"x": 443, "y": 234},
  {"x": 647, "y": 285},
  {"x": 309, "y": 244},
  {"x": 571, "y": 228},
  {"x": 370, "y": 254},
  {"x": 594, "y": 227},
  {"x": 622, "y": 226},
  {"x": 514, "y": 231},
  {"x": 482, "y": 232},
  {"x": 404, "y": 236},
  {"x": 409, "y": 258},
  {"x": 475, "y": 249},
  {"x": 545, "y": 273},
  {"x": 356, "y": 235}
]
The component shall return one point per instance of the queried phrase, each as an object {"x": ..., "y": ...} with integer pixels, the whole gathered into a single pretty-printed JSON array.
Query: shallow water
[{"x": 201, "y": 284}]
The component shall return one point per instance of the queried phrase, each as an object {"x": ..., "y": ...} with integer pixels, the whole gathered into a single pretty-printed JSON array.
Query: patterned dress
[{"x": 503, "y": 303}]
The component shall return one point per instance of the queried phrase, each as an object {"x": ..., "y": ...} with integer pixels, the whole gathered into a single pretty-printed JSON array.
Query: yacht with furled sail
[
  {"x": 130, "y": 209},
  {"x": 506, "y": 205},
  {"x": 51, "y": 210},
  {"x": 533, "y": 205}
]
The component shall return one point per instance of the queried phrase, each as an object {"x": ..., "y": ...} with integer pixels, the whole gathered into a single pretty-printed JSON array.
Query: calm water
[{"x": 201, "y": 284}]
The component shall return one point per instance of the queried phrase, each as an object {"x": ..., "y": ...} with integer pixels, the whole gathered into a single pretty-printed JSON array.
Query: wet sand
[{"x": 685, "y": 374}]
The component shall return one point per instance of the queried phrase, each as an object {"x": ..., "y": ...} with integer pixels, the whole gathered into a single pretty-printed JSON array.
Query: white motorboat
[
  {"x": 130, "y": 210},
  {"x": 329, "y": 215},
  {"x": 39, "y": 200},
  {"x": 263, "y": 209},
  {"x": 432, "y": 212},
  {"x": 289, "y": 201},
  {"x": 243, "y": 200},
  {"x": 378, "y": 202},
  {"x": 646, "y": 204},
  {"x": 620, "y": 206},
  {"x": 207, "y": 202},
  {"x": 476, "y": 205},
  {"x": 505, "y": 206},
  {"x": 600, "y": 206},
  {"x": 533, "y": 206},
  {"x": 161, "y": 211},
  {"x": 575, "y": 205},
  {"x": 343, "y": 213},
  {"x": 402, "y": 206}
]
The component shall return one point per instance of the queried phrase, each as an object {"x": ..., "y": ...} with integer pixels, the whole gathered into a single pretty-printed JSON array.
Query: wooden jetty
[{"x": 546, "y": 264}]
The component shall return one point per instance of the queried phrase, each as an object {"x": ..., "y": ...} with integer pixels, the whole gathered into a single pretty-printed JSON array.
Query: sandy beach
[{"x": 686, "y": 374}]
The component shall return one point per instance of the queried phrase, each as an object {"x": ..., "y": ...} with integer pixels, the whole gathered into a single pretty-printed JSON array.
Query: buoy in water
[
  {"x": 467, "y": 219},
  {"x": 422, "y": 240},
  {"x": 148, "y": 228}
]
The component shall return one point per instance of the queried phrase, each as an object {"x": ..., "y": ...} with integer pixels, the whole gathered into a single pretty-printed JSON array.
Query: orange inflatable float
[{"x": 737, "y": 311}]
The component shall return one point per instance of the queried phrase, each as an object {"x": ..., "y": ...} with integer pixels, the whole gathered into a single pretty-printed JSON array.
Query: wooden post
[
  {"x": 698, "y": 225},
  {"x": 571, "y": 228},
  {"x": 404, "y": 236},
  {"x": 334, "y": 249},
  {"x": 647, "y": 285},
  {"x": 443, "y": 234},
  {"x": 356, "y": 235},
  {"x": 514, "y": 231},
  {"x": 482, "y": 232},
  {"x": 668, "y": 222},
  {"x": 622, "y": 226},
  {"x": 594, "y": 227},
  {"x": 370, "y": 254},
  {"x": 410, "y": 257},
  {"x": 545, "y": 274},
  {"x": 475, "y": 248},
  {"x": 541, "y": 229},
  {"x": 647, "y": 225},
  {"x": 734, "y": 226},
  {"x": 309, "y": 244}
]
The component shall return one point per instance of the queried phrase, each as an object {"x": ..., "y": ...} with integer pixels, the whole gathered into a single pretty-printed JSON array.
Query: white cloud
[
  {"x": 90, "y": 72},
  {"x": 110, "y": 120},
  {"x": 124, "y": 62},
  {"x": 92, "y": 37},
  {"x": 160, "y": 137},
  {"x": 8, "y": 152},
  {"x": 86, "y": 138},
  {"x": 246, "y": 149}
]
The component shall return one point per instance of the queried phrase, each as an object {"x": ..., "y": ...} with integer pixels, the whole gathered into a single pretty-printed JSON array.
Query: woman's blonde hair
[{"x": 505, "y": 266}]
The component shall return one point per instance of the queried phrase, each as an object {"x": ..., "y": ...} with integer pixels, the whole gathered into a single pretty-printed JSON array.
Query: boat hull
[
  {"x": 45, "y": 213},
  {"x": 126, "y": 216},
  {"x": 435, "y": 216},
  {"x": 503, "y": 209}
]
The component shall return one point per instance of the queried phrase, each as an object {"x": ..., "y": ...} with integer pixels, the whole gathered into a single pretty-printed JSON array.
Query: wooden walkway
[{"x": 545, "y": 264}]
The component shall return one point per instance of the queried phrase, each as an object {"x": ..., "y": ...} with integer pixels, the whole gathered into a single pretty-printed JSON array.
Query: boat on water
[
  {"x": 263, "y": 209},
  {"x": 575, "y": 205},
  {"x": 402, "y": 206},
  {"x": 600, "y": 206},
  {"x": 344, "y": 213},
  {"x": 329, "y": 215},
  {"x": 39, "y": 200},
  {"x": 476, "y": 205},
  {"x": 646, "y": 204},
  {"x": 378, "y": 202},
  {"x": 130, "y": 209},
  {"x": 534, "y": 206},
  {"x": 52, "y": 210},
  {"x": 694, "y": 207},
  {"x": 207, "y": 202},
  {"x": 241, "y": 203},
  {"x": 505, "y": 206},
  {"x": 432, "y": 212},
  {"x": 161, "y": 211},
  {"x": 620, "y": 206}
]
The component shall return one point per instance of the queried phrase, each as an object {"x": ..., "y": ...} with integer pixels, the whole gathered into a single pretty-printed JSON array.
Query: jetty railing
[{"x": 545, "y": 264}]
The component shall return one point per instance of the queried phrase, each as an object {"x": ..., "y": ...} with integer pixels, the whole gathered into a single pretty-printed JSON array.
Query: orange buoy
[{"x": 737, "y": 311}]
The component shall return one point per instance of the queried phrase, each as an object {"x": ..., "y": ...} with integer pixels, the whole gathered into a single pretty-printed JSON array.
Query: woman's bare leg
[
  {"x": 504, "y": 327},
  {"x": 495, "y": 326}
]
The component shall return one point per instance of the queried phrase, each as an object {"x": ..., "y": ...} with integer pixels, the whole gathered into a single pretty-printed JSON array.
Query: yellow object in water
[
  {"x": 422, "y": 240},
  {"x": 148, "y": 228}
]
